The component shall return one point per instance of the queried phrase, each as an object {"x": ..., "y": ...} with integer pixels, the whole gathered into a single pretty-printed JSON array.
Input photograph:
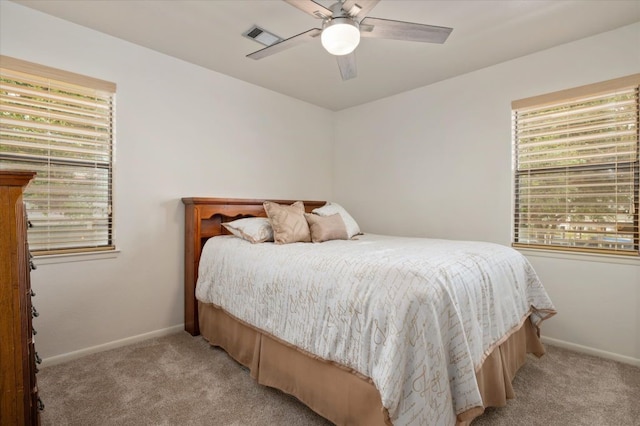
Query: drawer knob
[
  {"x": 40, "y": 404},
  {"x": 34, "y": 313},
  {"x": 38, "y": 359}
]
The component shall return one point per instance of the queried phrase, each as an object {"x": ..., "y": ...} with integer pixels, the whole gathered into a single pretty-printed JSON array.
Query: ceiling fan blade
[
  {"x": 400, "y": 30},
  {"x": 286, "y": 44},
  {"x": 312, "y": 8},
  {"x": 363, "y": 7},
  {"x": 347, "y": 65}
]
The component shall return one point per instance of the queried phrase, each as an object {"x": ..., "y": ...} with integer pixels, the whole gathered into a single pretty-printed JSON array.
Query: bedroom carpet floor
[{"x": 182, "y": 380}]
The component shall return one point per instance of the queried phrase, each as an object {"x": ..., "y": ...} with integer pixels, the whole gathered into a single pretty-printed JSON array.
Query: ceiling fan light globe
[{"x": 340, "y": 36}]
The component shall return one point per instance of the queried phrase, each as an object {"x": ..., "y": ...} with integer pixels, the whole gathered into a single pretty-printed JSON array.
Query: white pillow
[
  {"x": 252, "y": 229},
  {"x": 333, "y": 208}
]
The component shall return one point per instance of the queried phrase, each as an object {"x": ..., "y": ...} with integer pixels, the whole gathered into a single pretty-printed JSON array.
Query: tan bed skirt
[{"x": 340, "y": 394}]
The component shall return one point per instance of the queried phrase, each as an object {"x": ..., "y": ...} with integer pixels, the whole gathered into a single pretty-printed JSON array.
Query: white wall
[
  {"x": 181, "y": 131},
  {"x": 436, "y": 162}
]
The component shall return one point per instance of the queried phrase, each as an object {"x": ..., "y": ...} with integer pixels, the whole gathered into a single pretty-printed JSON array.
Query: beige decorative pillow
[
  {"x": 325, "y": 228},
  {"x": 288, "y": 222},
  {"x": 252, "y": 229}
]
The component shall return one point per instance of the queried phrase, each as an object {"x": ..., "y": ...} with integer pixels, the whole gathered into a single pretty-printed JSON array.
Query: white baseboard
[
  {"x": 591, "y": 351},
  {"x": 58, "y": 359}
]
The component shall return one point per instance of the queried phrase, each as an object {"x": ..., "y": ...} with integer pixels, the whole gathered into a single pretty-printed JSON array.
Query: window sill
[
  {"x": 584, "y": 257},
  {"x": 49, "y": 259}
]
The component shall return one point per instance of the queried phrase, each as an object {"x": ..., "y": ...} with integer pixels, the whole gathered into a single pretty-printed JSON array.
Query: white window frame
[
  {"x": 572, "y": 140},
  {"x": 62, "y": 125}
]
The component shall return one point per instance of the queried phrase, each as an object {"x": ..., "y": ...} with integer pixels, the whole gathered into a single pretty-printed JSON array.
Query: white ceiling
[{"x": 209, "y": 34}]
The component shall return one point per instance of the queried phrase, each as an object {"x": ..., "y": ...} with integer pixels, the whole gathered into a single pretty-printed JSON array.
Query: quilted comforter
[{"x": 418, "y": 316}]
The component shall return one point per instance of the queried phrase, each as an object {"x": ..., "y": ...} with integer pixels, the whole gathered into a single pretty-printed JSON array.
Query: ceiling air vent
[{"x": 262, "y": 36}]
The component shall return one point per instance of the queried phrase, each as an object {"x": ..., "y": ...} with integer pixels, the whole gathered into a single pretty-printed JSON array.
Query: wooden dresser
[{"x": 19, "y": 404}]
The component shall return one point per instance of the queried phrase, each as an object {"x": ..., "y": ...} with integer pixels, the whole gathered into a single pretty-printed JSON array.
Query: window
[
  {"x": 576, "y": 169},
  {"x": 60, "y": 125}
]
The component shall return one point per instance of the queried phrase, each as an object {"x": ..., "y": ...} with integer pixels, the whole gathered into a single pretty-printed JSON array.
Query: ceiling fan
[{"x": 342, "y": 26}]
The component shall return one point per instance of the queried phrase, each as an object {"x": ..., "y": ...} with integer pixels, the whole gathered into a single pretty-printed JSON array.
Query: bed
[{"x": 374, "y": 360}]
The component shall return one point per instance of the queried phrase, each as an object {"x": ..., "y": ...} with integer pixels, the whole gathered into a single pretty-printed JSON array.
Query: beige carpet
[{"x": 181, "y": 380}]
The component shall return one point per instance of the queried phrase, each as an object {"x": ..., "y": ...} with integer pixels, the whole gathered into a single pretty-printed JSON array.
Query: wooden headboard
[{"x": 203, "y": 218}]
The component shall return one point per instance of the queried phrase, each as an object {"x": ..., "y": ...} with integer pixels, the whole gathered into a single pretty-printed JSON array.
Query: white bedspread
[{"x": 415, "y": 315}]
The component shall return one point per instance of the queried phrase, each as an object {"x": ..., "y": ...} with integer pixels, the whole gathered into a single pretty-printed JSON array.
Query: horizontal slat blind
[
  {"x": 64, "y": 132},
  {"x": 577, "y": 171}
]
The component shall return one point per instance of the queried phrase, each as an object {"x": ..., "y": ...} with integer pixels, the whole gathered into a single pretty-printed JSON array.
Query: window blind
[
  {"x": 576, "y": 156},
  {"x": 60, "y": 125}
]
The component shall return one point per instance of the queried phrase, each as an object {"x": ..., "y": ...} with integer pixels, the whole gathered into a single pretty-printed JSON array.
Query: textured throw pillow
[
  {"x": 252, "y": 229},
  {"x": 288, "y": 222},
  {"x": 325, "y": 228},
  {"x": 333, "y": 208}
]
